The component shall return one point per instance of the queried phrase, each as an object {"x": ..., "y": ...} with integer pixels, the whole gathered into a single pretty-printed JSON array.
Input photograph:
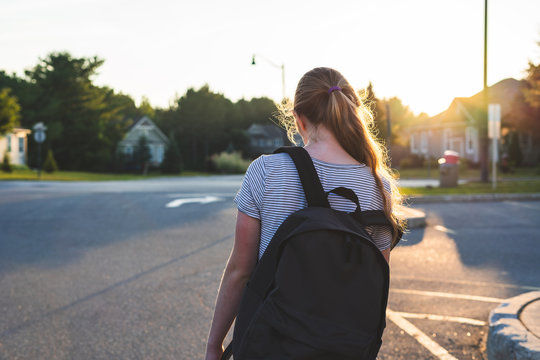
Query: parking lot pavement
[{"x": 118, "y": 274}]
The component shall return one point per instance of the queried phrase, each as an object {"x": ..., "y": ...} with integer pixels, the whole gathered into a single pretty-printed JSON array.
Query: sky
[{"x": 426, "y": 52}]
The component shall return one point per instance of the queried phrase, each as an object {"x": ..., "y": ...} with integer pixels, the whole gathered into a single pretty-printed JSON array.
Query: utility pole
[
  {"x": 388, "y": 130},
  {"x": 484, "y": 113}
]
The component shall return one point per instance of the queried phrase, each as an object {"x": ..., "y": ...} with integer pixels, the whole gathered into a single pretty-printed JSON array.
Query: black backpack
[{"x": 321, "y": 288}]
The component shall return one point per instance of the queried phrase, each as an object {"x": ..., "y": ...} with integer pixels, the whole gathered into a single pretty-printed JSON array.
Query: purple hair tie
[{"x": 333, "y": 88}]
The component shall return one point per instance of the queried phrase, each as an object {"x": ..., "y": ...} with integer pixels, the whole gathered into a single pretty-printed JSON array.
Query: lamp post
[
  {"x": 282, "y": 67},
  {"x": 483, "y": 126}
]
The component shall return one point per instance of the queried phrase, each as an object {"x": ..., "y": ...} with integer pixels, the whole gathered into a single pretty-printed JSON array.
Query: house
[
  {"x": 15, "y": 143},
  {"x": 157, "y": 141},
  {"x": 457, "y": 127},
  {"x": 264, "y": 139}
]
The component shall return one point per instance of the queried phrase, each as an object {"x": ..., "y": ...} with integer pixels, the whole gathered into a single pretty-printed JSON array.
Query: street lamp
[{"x": 282, "y": 67}]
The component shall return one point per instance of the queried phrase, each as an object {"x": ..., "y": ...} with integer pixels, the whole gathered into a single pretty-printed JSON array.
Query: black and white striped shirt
[{"x": 271, "y": 191}]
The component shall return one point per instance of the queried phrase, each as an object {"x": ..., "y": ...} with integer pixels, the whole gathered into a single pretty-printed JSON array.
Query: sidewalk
[
  {"x": 514, "y": 329},
  {"x": 514, "y": 326}
]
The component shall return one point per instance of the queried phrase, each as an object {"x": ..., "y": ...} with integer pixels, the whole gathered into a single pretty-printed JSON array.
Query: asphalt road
[{"x": 108, "y": 271}]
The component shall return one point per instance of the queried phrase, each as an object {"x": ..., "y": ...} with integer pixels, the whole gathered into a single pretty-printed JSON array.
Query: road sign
[
  {"x": 494, "y": 133},
  {"x": 494, "y": 117},
  {"x": 39, "y": 136}
]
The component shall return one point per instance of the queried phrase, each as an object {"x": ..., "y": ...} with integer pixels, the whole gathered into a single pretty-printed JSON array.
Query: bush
[
  {"x": 6, "y": 165},
  {"x": 231, "y": 163},
  {"x": 412, "y": 161},
  {"x": 50, "y": 165},
  {"x": 172, "y": 161}
]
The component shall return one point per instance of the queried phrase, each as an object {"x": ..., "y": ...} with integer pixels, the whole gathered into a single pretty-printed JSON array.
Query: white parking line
[
  {"x": 465, "y": 282},
  {"x": 422, "y": 338},
  {"x": 444, "y": 229},
  {"x": 458, "y": 319},
  {"x": 448, "y": 295}
]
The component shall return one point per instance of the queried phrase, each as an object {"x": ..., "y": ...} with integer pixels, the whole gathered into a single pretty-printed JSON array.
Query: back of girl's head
[{"x": 327, "y": 99}]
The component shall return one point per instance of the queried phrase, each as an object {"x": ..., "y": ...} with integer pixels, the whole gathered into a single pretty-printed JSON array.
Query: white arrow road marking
[{"x": 203, "y": 200}]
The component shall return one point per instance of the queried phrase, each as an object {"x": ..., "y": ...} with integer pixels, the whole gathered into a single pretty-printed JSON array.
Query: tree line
[{"x": 85, "y": 122}]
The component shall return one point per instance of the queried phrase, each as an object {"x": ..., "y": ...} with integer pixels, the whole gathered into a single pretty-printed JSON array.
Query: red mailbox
[{"x": 451, "y": 157}]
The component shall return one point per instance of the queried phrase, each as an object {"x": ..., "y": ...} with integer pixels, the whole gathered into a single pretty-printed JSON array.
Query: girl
[{"x": 335, "y": 126}]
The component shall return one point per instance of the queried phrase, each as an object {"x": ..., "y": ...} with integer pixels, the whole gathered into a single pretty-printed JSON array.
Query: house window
[
  {"x": 471, "y": 136},
  {"x": 424, "y": 142},
  {"x": 447, "y": 134},
  {"x": 21, "y": 145},
  {"x": 8, "y": 139},
  {"x": 525, "y": 140},
  {"x": 153, "y": 153},
  {"x": 160, "y": 154},
  {"x": 278, "y": 142},
  {"x": 128, "y": 150},
  {"x": 414, "y": 143}
]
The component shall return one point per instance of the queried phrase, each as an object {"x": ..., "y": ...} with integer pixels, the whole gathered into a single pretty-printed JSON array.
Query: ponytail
[{"x": 326, "y": 98}]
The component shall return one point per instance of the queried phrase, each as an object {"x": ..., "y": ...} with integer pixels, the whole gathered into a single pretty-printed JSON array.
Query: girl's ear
[{"x": 300, "y": 121}]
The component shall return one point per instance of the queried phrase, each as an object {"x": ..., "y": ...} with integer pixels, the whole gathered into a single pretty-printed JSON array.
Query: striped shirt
[{"x": 271, "y": 191}]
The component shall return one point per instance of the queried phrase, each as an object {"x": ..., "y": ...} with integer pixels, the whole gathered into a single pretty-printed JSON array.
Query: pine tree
[
  {"x": 50, "y": 165},
  {"x": 142, "y": 154},
  {"x": 172, "y": 162},
  {"x": 6, "y": 165}
]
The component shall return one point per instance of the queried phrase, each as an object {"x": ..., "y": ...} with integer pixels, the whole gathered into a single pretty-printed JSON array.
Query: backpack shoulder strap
[{"x": 311, "y": 183}]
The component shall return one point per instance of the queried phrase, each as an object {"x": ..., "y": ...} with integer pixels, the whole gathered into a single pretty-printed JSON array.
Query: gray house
[
  {"x": 457, "y": 127},
  {"x": 157, "y": 141},
  {"x": 264, "y": 139}
]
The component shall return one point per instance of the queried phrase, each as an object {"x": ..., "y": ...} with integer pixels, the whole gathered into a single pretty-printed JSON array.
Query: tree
[
  {"x": 379, "y": 113},
  {"x": 84, "y": 122},
  {"x": 142, "y": 154},
  {"x": 9, "y": 111},
  {"x": 532, "y": 91},
  {"x": 145, "y": 109},
  {"x": 514, "y": 148},
  {"x": 6, "y": 164},
  {"x": 172, "y": 162},
  {"x": 50, "y": 165}
]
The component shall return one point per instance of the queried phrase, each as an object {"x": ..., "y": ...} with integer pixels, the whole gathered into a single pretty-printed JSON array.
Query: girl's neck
[{"x": 323, "y": 145}]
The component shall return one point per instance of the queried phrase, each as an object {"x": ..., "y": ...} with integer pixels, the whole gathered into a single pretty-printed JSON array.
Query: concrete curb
[
  {"x": 508, "y": 338},
  {"x": 430, "y": 199},
  {"x": 415, "y": 218}
]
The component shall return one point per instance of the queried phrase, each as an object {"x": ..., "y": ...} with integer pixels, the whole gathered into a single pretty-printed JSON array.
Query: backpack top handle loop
[
  {"x": 349, "y": 195},
  {"x": 313, "y": 189}
]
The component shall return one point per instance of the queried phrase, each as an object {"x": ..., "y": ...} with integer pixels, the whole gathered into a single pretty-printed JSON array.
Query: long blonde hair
[{"x": 347, "y": 115}]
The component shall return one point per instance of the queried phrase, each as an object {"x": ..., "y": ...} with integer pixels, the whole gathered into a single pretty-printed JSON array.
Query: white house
[
  {"x": 157, "y": 141},
  {"x": 15, "y": 143}
]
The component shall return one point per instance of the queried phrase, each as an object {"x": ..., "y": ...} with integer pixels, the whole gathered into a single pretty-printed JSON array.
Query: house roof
[
  {"x": 146, "y": 121},
  {"x": 468, "y": 109},
  {"x": 268, "y": 130}
]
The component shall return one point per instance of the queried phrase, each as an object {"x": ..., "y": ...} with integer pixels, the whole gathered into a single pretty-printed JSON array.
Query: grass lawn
[
  {"x": 471, "y": 174},
  {"x": 503, "y": 187},
  {"x": 27, "y": 174}
]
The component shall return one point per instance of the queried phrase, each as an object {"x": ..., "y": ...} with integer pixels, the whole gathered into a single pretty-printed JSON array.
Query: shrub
[
  {"x": 6, "y": 165},
  {"x": 172, "y": 161},
  {"x": 412, "y": 161},
  {"x": 50, "y": 165},
  {"x": 231, "y": 163}
]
